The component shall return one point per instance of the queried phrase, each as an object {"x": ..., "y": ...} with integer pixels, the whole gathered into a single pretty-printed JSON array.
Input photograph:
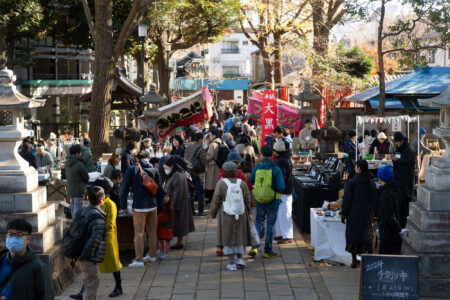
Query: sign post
[{"x": 269, "y": 114}]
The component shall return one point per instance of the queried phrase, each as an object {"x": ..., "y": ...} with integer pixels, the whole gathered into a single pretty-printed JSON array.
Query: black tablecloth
[{"x": 307, "y": 197}]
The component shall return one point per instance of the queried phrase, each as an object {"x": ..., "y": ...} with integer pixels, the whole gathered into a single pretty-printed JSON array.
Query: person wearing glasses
[{"x": 22, "y": 274}]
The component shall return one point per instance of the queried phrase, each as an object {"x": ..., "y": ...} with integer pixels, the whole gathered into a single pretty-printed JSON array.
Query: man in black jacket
[
  {"x": 284, "y": 232},
  {"x": 389, "y": 212},
  {"x": 404, "y": 172},
  {"x": 94, "y": 241},
  {"x": 22, "y": 274},
  {"x": 128, "y": 157}
]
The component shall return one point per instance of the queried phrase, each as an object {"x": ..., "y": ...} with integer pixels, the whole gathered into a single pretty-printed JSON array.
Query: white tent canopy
[{"x": 362, "y": 120}]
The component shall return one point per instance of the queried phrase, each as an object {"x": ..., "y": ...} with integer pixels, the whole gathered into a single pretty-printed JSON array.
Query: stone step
[
  {"x": 427, "y": 241},
  {"x": 428, "y": 220},
  {"x": 23, "y": 202},
  {"x": 429, "y": 264},
  {"x": 433, "y": 200},
  {"x": 43, "y": 240},
  {"x": 38, "y": 219}
]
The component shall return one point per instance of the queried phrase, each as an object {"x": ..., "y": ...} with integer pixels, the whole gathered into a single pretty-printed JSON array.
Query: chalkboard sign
[{"x": 385, "y": 277}]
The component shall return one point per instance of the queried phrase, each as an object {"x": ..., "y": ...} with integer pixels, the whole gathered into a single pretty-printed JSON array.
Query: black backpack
[
  {"x": 197, "y": 165},
  {"x": 73, "y": 241},
  {"x": 222, "y": 154}
]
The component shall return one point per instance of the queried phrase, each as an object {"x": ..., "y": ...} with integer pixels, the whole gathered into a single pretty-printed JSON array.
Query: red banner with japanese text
[{"x": 269, "y": 114}]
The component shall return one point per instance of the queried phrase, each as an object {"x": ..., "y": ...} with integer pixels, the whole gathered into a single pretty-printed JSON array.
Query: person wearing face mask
[
  {"x": 145, "y": 207},
  {"x": 175, "y": 184},
  {"x": 128, "y": 157},
  {"x": 235, "y": 129},
  {"x": 22, "y": 274},
  {"x": 77, "y": 176}
]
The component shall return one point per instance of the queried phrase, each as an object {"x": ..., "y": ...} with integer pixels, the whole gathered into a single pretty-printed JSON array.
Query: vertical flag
[
  {"x": 269, "y": 114},
  {"x": 285, "y": 93}
]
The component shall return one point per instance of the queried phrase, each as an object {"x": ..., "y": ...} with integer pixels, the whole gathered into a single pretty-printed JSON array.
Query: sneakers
[
  {"x": 164, "y": 255},
  {"x": 240, "y": 262},
  {"x": 231, "y": 267},
  {"x": 202, "y": 214},
  {"x": 270, "y": 255},
  {"x": 219, "y": 251},
  {"x": 149, "y": 258},
  {"x": 253, "y": 252},
  {"x": 136, "y": 264}
]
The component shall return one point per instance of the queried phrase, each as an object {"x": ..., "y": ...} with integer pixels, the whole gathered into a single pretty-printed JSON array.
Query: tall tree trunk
[
  {"x": 320, "y": 35},
  {"x": 278, "y": 61},
  {"x": 163, "y": 74},
  {"x": 3, "y": 48},
  {"x": 381, "y": 78},
  {"x": 138, "y": 57},
  {"x": 103, "y": 78}
]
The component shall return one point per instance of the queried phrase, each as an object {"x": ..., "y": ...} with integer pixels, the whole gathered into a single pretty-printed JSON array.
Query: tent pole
[
  {"x": 356, "y": 147},
  {"x": 418, "y": 147}
]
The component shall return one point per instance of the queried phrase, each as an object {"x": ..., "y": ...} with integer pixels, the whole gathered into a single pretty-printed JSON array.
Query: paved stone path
[{"x": 197, "y": 273}]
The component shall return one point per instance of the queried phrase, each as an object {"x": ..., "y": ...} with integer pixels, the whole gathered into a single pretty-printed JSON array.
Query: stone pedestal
[
  {"x": 429, "y": 226},
  {"x": 20, "y": 195}
]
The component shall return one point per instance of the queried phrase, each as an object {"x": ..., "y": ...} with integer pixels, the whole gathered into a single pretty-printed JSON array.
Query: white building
[{"x": 230, "y": 57}]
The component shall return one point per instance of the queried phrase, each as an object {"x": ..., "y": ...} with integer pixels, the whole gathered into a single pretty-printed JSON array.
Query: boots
[
  {"x": 117, "y": 291},
  {"x": 354, "y": 261},
  {"x": 78, "y": 296}
]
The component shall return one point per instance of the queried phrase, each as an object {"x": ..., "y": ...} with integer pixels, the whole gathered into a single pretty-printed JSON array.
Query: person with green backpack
[{"x": 268, "y": 183}]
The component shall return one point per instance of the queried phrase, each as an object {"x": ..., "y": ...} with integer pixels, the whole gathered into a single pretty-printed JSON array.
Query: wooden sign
[{"x": 389, "y": 277}]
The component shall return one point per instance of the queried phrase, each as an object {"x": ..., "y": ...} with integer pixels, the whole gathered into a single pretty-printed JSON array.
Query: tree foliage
[{"x": 354, "y": 61}]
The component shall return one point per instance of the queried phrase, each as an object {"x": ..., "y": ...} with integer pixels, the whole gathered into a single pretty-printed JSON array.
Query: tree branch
[
  {"x": 134, "y": 17},
  {"x": 407, "y": 29},
  {"x": 90, "y": 21},
  {"x": 413, "y": 50}
]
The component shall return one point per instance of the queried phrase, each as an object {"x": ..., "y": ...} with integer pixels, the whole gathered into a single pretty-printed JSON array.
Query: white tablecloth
[{"x": 328, "y": 239}]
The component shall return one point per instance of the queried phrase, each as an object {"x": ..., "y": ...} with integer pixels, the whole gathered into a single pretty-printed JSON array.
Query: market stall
[{"x": 328, "y": 237}]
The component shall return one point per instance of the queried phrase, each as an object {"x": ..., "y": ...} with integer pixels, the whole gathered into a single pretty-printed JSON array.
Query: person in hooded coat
[
  {"x": 357, "y": 211},
  {"x": 176, "y": 185}
]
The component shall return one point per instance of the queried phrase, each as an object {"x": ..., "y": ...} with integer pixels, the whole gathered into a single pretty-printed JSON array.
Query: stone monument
[
  {"x": 20, "y": 194},
  {"x": 429, "y": 217}
]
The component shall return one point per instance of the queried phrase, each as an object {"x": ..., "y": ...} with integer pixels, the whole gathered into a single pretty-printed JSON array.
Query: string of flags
[{"x": 374, "y": 119}]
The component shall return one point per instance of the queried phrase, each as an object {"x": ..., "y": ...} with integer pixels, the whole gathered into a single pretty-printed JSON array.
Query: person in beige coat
[
  {"x": 212, "y": 169},
  {"x": 233, "y": 229}
]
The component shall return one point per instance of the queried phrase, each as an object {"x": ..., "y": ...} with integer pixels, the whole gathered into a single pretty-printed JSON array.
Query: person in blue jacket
[{"x": 270, "y": 210}]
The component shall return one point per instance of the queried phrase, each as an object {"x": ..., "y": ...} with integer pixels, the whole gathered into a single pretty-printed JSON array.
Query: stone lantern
[
  {"x": 16, "y": 175},
  {"x": 429, "y": 217},
  {"x": 151, "y": 113},
  {"x": 308, "y": 96}
]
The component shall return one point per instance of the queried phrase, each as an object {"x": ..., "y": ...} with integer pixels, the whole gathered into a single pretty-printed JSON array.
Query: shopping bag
[{"x": 255, "y": 236}]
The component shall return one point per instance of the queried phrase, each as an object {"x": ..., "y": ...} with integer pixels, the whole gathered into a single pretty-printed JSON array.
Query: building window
[
  {"x": 230, "y": 47},
  {"x": 245, "y": 43},
  {"x": 230, "y": 71}
]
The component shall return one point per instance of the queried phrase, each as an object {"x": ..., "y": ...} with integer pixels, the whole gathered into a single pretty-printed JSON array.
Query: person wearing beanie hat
[
  {"x": 350, "y": 149},
  {"x": 404, "y": 163},
  {"x": 389, "y": 212},
  {"x": 419, "y": 144},
  {"x": 381, "y": 145},
  {"x": 284, "y": 231},
  {"x": 357, "y": 211},
  {"x": 232, "y": 211}
]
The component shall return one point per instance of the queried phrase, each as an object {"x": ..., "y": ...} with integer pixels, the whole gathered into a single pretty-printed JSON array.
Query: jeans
[
  {"x": 76, "y": 203},
  {"x": 271, "y": 214},
  {"x": 91, "y": 279},
  {"x": 141, "y": 220},
  {"x": 198, "y": 193}
]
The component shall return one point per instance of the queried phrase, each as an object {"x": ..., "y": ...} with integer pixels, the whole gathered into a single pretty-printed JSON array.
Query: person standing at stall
[
  {"x": 381, "y": 145},
  {"x": 177, "y": 187},
  {"x": 77, "y": 176},
  {"x": 43, "y": 158},
  {"x": 212, "y": 169},
  {"x": 128, "y": 157},
  {"x": 418, "y": 139},
  {"x": 144, "y": 207},
  {"x": 284, "y": 231},
  {"x": 404, "y": 162},
  {"x": 307, "y": 141},
  {"x": 357, "y": 211},
  {"x": 389, "y": 212},
  {"x": 350, "y": 149},
  {"x": 86, "y": 154},
  {"x": 113, "y": 161}
]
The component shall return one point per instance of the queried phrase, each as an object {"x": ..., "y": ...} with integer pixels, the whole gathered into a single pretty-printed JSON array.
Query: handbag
[{"x": 148, "y": 183}]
